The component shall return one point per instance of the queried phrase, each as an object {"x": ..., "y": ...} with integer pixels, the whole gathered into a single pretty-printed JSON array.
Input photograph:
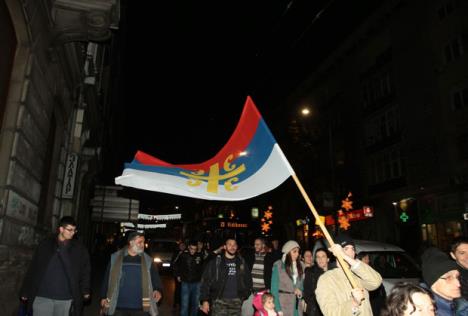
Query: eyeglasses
[{"x": 71, "y": 230}]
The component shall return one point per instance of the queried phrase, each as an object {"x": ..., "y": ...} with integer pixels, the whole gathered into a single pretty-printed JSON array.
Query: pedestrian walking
[
  {"x": 58, "y": 278},
  {"x": 287, "y": 280},
  {"x": 441, "y": 277},
  {"x": 260, "y": 264},
  {"x": 334, "y": 292},
  {"x": 226, "y": 282},
  {"x": 131, "y": 284},
  {"x": 312, "y": 274},
  {"x": 459, "y": 252},
  {"x": 188, "y": 271}
]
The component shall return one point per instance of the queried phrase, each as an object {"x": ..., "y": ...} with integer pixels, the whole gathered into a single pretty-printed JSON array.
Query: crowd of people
[{"x": 265, "y": 280}]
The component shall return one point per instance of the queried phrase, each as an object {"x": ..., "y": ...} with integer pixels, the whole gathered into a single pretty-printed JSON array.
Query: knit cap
[
  {"x": 344, "y": 240},
  {"x": 289, "y": 245},
  {"x": 435, "y": 264}
]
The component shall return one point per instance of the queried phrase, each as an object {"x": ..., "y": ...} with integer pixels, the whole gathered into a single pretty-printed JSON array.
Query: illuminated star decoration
[
  {"x": 265, "y": 227},
  {"x": 347, "y": 204},
  {"x": 343, "y": 220},
  {"x": 267, "y": 220}
]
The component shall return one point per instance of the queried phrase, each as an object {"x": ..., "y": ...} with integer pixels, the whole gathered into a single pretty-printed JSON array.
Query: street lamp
[{"x": 305, "y": 111}]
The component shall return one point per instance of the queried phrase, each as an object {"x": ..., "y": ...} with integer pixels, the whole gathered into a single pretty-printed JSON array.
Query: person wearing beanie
[
  {"x": 441, "y": 276},
  {"x": 287, "y": 281},
  {"x": 334, "y": 292}
]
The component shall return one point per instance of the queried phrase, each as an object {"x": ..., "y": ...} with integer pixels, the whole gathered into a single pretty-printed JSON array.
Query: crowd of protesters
[{"x": 267, "y": 279}]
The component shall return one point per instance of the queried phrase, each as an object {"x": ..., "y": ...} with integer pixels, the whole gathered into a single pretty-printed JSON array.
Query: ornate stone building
[{"x": 54, "y": 80}]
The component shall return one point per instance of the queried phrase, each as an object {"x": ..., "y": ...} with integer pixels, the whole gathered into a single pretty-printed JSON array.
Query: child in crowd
[{"x": 264, "y": 303}]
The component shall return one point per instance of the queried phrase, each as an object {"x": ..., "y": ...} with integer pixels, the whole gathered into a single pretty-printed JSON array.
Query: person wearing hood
[
  {"x": 441, "y": 277},
  {"x": 287, "y": 281},
  {"x": 334, "y": 292}
]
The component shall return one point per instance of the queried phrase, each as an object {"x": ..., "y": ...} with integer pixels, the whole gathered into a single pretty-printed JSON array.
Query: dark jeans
[
  {"x": 129, "y": 312},
  {"x": 189, "y": 298},
  {"x": 226, "y": 307}
]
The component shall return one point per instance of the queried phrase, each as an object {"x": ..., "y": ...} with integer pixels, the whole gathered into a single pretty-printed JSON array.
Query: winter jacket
[
  {"x": 312, "y": 275},
  {"x": 282, "y": 288},
  {"x": 189, "y": 267},
  {"x": 76, "y": 265},
  {"x": 214, "y": 279},
  {"x": 334, "y": 290},
  {"x": 152, "y": 278}
]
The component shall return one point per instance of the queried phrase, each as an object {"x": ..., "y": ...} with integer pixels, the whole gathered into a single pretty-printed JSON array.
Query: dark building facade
[
  {"x": 389, "y": 121},
  {"x": 54, "y": 76}
]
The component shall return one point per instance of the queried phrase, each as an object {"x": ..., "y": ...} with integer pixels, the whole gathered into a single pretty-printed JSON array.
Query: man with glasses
[
  {"x": 58, "y": 279},
  {"x": 441, "y": 276}
]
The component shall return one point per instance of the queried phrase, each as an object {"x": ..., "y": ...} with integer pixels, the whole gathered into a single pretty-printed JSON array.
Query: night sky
[{"x": 201, "y": 60}]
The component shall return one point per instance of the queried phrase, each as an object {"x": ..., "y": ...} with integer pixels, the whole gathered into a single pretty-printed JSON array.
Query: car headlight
[{"x": 157, "y": 260}]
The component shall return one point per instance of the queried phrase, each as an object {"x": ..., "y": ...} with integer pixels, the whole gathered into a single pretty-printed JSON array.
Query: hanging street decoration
[
  {"x": 347, "y": 204},
  {"x": 267, "y": 220},
  {"x": 343, "y": 220}
]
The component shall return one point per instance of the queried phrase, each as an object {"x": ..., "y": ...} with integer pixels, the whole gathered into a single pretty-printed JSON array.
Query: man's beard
[{"x": 137, "y": 249}]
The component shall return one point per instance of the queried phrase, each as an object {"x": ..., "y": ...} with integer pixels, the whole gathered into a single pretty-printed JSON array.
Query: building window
[
  {"x": 385, "y": 166},
  {"x": 453, "y": 49},
  {"x": 459, "y": 98},
  {"x": 376, "y": 88},
  {"x": 7, "y": 52},
  {"x": 445, "y": 10},
  {"x": 462, "y": 144},
  {"x": 382, "y": 126}
]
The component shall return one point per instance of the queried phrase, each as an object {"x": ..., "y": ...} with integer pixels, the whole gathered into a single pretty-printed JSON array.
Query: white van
[{"x": 392, "y": 262}]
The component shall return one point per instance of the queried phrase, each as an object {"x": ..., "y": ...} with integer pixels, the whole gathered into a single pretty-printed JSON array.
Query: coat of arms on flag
[{"x": 251, "y": 163}]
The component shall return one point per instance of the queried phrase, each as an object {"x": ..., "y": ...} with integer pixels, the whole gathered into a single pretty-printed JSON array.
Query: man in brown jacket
[{"x": 334, "y": 292}]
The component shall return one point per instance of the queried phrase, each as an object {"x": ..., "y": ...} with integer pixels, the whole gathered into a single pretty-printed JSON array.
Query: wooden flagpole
[{"x": 343, "y": 264}]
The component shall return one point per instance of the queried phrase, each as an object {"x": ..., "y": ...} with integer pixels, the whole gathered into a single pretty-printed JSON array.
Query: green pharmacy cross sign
[{"x": 404, "y": 217}]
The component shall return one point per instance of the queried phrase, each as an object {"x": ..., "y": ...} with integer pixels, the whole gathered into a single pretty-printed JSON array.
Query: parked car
[
  {"x": 392, "y": 262},
  {"x": 161, "y": 250}
]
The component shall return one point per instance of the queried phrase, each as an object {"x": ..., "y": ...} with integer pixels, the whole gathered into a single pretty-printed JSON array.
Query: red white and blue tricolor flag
[{"x": 251, "y": 163}]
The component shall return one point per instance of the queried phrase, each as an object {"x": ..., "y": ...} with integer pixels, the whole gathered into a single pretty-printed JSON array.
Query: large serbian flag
[{"x": 251, "y": 163}]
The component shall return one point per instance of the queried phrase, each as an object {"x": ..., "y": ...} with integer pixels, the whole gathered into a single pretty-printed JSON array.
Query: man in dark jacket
[
  {"x": 58, "y": 278},
  {"x": 188, "y": 272},
  {"x": 226, "y": 283}
]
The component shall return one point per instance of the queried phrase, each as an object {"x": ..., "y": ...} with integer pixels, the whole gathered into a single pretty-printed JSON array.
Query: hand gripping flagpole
[{"x": 343, "y": 264}]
